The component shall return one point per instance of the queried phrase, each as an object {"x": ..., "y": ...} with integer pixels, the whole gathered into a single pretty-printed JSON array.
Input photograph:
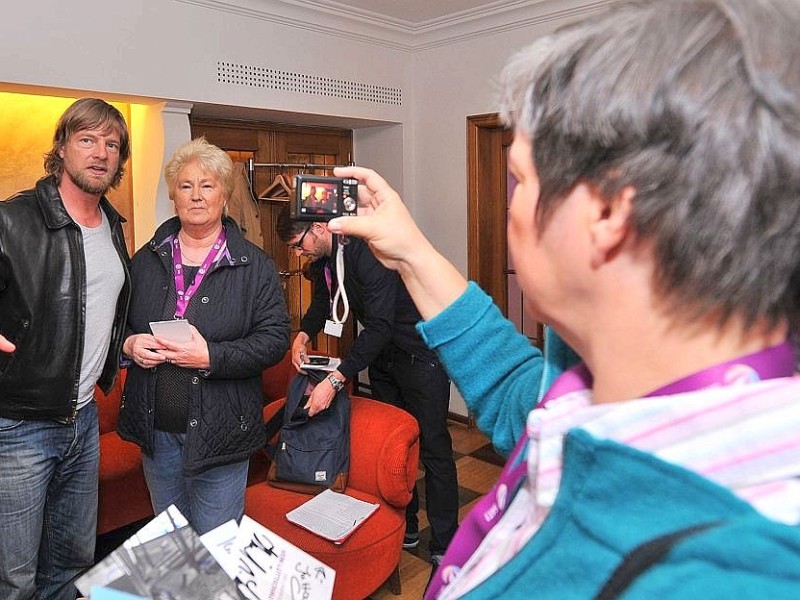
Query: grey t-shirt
[{"x": 104, "y": 280}]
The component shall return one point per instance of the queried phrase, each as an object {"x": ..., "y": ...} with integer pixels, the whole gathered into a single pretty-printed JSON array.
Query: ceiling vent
[{"x": 301, "y": 83}]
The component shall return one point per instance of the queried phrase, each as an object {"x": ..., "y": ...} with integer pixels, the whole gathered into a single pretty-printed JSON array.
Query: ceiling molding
[
  {"x": 412, "y": 27},
  {"x": 333, "y": 18}
]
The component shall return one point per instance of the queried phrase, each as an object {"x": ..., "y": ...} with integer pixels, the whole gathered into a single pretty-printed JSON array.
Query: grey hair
[
  {"x": 208, "y": 157},
  {"x": 695, "y": 104}
]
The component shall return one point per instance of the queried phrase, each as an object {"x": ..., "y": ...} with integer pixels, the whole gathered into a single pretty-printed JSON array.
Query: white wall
[
  {"x": 452, "y": 82},
  {"x": 169, "y": 50}
]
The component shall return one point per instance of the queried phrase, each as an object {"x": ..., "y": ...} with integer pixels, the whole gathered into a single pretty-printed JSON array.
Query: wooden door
[{"x": 489, "y": 190}]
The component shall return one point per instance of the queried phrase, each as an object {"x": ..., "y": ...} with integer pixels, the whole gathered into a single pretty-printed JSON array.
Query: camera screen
[{"x": 319, "y": 197}]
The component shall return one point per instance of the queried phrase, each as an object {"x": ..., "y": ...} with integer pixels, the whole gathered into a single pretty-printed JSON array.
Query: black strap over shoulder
[
  {"x": 644, "y": 556},
  {"x": 273, "y": 426}
]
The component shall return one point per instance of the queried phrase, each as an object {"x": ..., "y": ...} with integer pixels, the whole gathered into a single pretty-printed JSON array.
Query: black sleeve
[
  {"x": 374, "y": 289},
  {"x": 267, "y": 338},
  {"x": 319, "y": 309}
]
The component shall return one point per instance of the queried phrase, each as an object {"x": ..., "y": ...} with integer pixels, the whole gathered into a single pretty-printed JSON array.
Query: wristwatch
[{"x": 335, "y": 382}]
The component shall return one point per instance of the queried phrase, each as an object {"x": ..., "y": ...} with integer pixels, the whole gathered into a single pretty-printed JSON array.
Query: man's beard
[{"x": 91, "y": 185}]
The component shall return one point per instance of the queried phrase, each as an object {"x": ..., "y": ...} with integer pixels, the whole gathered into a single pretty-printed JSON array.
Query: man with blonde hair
[{"x": 64, "y": 290}]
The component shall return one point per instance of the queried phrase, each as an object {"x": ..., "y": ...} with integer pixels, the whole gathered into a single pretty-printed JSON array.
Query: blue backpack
[{"x": 311, "y": 454}]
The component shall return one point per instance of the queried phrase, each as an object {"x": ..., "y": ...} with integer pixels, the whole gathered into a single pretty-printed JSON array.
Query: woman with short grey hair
[{"x": 655, "y": 228}]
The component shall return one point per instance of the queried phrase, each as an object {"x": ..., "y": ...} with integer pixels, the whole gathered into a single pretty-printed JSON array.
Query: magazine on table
[
  {"x": 166, "y": 558},
  {"x": 332, "y": 515},
  {"x": 163, "y": 559}
]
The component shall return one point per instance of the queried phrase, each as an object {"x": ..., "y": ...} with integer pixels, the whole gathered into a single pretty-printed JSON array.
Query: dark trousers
[{"x": 421, "y": 387}]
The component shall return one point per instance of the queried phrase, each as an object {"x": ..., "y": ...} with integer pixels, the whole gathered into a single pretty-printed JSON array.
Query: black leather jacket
[{"x": 43, "y": 304}]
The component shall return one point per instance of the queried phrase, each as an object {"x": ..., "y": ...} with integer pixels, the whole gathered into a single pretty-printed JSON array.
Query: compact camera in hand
[{"x": 323, "y": 198}]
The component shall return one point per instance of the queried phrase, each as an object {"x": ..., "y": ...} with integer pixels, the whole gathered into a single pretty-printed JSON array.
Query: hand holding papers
[
  {"x": 174, "y": 330},
  {"x": 332, "y": 515}
]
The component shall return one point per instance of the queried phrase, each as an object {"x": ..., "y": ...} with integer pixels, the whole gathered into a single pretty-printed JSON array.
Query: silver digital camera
[{"x": 320, "y": 198}]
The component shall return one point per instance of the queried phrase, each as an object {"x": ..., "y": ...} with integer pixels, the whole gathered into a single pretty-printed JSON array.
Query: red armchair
[
  {"x": 384, "y": 454},
  {"x": 123, "y": 496}
]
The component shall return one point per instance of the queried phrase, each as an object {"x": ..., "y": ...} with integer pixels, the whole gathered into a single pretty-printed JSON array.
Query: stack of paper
[{"x": 332, "y": 515}]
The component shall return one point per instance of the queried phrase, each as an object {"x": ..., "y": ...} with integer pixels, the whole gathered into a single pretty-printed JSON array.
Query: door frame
[
  {"x": 487, "y": 185},
  {"x": 487, "y": 215}
]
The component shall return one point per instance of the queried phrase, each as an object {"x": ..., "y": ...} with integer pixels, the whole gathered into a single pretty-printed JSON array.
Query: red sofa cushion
[
  {"x": 362, "y": 563},
  {"x": 123, "y": 495},
  {"x": 384, "y": 452}
]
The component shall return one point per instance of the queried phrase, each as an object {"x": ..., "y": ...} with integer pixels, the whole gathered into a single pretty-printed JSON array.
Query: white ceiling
[
  {"x": 408, "y": 25},
  {"x": 405, "y": 25}
]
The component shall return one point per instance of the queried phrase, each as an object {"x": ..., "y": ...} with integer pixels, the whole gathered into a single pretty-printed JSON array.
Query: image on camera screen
[{"x": 319, "y": 198}]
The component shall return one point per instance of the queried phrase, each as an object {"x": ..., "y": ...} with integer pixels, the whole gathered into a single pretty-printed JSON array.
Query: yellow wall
[
  {"x": 27, "y": 124},
  {"x": 147, "y": 151}
]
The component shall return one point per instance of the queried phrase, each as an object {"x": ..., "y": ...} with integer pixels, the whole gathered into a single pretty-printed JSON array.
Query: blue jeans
[
  {"x": 208, "y": 499},
  {"x": 48, "y": 504},
  {"x": 422, "y": 388}
]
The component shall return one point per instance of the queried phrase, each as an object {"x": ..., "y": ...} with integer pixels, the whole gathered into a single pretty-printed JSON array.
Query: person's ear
[{"x": 610, "y": 223}]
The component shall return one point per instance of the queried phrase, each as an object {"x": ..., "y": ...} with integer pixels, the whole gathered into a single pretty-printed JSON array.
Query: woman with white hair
[{"x": 194, "y": 406}]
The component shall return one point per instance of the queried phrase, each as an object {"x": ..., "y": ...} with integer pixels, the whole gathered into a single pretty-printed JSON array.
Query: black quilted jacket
[{"x": 240, "y": 310}]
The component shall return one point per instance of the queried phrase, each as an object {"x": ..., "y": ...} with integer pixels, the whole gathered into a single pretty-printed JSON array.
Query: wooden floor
[{"x": 478, "y": 468}]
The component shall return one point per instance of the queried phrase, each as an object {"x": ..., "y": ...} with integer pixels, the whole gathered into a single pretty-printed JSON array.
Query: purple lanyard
[
  {"x": 184, "y": 294},
  {"x": 771, "y": 363}
]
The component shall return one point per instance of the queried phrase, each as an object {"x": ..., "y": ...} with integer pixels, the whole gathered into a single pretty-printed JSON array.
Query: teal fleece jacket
[
  {"x": 612, "y": 497},
  {"x": 587, "y": 534},
  {"x": 500, "y": 381}
]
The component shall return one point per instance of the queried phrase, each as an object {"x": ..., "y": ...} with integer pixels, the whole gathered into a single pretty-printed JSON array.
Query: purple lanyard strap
[{"x": 185, "y": 294}]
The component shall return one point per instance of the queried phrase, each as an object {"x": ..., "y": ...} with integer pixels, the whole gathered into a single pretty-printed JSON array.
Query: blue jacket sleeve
[{"x": 500, "y": 374}]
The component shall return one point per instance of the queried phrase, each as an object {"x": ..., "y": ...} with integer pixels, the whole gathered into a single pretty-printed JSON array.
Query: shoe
[{"x": 410, "y": 540}]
